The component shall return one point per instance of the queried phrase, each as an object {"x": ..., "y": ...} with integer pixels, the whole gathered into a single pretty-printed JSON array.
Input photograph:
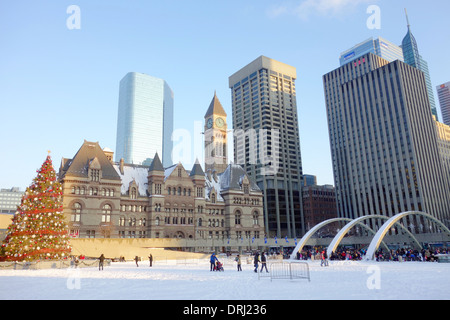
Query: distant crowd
[{"x": 402, "y": 254}]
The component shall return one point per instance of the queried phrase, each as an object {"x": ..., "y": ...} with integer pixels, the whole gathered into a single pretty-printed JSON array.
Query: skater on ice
[
  {"x": 213, "y": 260},
  {"x": 263, "y": 262}
]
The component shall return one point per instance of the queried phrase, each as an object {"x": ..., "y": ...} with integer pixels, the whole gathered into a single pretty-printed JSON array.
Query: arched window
[
  {"x": 106, "y": 213},
  {"x": 255, "y": 218},
  {"x": 179, "y": 191},
  {"x": 237, "y": 217},
  {"x": 213, "y": 198},
  {"x": 157, "y": 221},
  {"x": 76, "y": 212}
]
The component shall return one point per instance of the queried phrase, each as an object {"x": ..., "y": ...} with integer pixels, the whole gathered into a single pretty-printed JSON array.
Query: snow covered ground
[{"x": 341, "y": 280}]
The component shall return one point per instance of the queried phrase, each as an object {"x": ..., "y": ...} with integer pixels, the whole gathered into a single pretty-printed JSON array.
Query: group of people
[
  {"x": 102, "y": 258},
  {"x": 401, "y": 254},
  {"x": 215, "y": 264}
]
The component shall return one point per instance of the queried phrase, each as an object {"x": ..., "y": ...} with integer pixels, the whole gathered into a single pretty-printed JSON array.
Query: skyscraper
[
  {"x": 145, "y": 119},
  {"x": 444, "y": 100},
  {"x": 266, "y": 140},
  {"x": 379, "y": 46},
  {"x": 413, "y": 58},
  {"x": 383, "y": 141}
]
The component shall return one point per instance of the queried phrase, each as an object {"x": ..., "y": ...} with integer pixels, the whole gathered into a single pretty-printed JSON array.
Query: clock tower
[{"x": 216, "y": 157}]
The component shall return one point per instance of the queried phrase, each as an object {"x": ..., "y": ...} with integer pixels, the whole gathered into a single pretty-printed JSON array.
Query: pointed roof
[
  {"x": 156, "y": 164},
  {"x": 215, "y": 107},
  {"x": 410, "y": 48},
  {"x": 90, "y": 155},
  {"x": 197, "y": 169}
]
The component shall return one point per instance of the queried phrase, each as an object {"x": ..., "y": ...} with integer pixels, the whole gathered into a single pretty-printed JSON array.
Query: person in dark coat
[
  {"x": 263, "y": 262},
  {"x": 136, "y": 259},
  {"x": 150, "y": 258},
  {"x": 101, "y": 260},
  {"x": 256, "y": 261}
]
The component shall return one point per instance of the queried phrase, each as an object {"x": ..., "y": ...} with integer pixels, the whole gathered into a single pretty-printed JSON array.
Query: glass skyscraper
[
  {"x": 413, "y": 58},
  {"x": 379, "y": 46},
  {"x": 145, "y": 120}
]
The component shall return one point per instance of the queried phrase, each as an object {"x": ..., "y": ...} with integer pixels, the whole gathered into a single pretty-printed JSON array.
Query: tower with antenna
[{"x": 413, "y": 58}]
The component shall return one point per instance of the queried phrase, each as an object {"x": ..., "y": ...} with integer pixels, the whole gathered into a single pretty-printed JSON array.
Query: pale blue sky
[{"x": 60, "y": 86}]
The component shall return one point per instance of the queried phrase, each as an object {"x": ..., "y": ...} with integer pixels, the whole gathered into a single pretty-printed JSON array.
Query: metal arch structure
[
  {"x": 341, "y": 234},
  {"x": 311, "y": 232},
  {"x": 375, "y": 243},
  {"x": 358, "y": 221}
]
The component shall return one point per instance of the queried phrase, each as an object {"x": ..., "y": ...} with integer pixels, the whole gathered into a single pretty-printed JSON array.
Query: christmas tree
[{"x": 38, "y": 230}]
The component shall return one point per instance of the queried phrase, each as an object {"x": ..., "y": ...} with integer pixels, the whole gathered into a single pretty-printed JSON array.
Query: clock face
[
  {"x": 209, "y": 123},
  {"x": 220, "y": 122}
]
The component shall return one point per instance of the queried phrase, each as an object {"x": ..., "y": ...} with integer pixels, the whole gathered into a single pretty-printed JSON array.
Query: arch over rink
[
  {"x": 358, "y": 221},
  {"x": 375, "y": 243},
  {"x": 311, "y": 232}
]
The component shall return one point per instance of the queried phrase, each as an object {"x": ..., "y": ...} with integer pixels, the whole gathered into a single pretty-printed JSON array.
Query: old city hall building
[{"x": 106, "y": 199}]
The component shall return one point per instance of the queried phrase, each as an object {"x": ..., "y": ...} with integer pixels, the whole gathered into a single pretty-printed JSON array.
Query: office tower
[
  {"x": 10, "y": 199},
  {"x": 443, "y": 137},
  {"x": 319, "y": 204},
  {"x": 266, "y": 140},
  {"x": 413, "y": 58},
  {"x": 444, "y": 100},
  {"x": 383, "y": 141},
  {"x": 216, "y": 158},
  {"x": 145, "y": 119},
  {"x": 379, "y": 46}
]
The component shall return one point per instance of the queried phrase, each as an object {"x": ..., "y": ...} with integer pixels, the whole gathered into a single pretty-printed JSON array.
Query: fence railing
[
  {"x": 286, "y": 270},
  {"x": 55, "y": 264}
]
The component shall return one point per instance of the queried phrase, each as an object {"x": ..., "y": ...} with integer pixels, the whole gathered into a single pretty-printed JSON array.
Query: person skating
[
  {"x": 263, "y": 262},
  {"x": 324, "y": 259},
  {"x": 101, "y": 260},
  {"x": 256, "y": 261},
  {"x": 150, "y": 259},
  {"x": 238, "y": 260},
  {"x": 136, "y": 258},
  {"x": 213, "y": 260}
]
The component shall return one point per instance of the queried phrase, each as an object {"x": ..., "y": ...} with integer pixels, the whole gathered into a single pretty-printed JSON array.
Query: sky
[{"x": 59, "y": 85}]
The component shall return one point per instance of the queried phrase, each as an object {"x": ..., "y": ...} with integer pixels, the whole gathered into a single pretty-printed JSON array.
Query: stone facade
[{"x": 105, "y": 199}]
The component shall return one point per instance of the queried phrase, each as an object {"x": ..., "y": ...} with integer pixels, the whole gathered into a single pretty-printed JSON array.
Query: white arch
[
  {"x": 311, "y": 232},
  {"x": 338, "y": 238},
  {"x": 375, "y": 243}
]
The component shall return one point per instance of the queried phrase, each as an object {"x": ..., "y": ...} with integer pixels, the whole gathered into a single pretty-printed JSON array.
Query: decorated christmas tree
[{"x": 38, "y": 230}]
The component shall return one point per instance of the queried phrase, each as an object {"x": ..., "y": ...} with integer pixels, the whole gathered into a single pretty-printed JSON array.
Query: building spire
[{"x": 407, "y": 19}]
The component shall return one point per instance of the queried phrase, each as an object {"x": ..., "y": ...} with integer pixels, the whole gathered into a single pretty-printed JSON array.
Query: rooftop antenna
[{"x": 407, "y": 19}]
